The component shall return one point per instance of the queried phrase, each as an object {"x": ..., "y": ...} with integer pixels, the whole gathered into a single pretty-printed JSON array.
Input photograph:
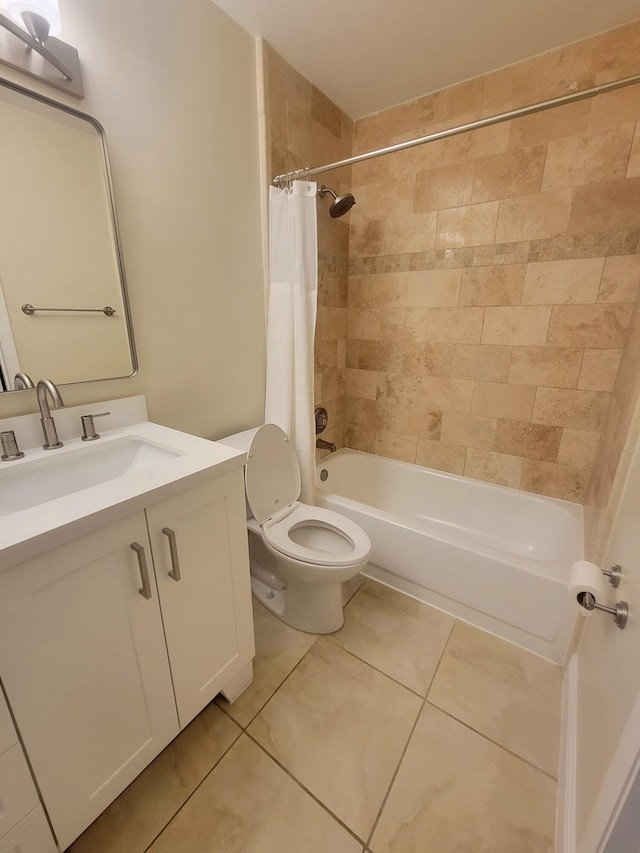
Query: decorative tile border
[{"x": 567, "y": 247}]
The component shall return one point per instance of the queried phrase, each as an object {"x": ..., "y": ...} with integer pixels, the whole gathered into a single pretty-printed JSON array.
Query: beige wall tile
[
  {"x": 559, "y": 282},
  {"x": 399, "y": 388},
  {"x": 403, "y": 324},
  {"x": 437, "y": 189},
  {"x": 438, "y": 360},
  {"x": 588, "y": 158},
  {"x": 331, "y": 323},
  {"x": 359, "y": 411},
  {"x": 396, "y": 446},
  {"x": 621, "y": 279},
  {"x": 578, "y": 448},
  {"x": 599, "y": 369},
  {"x": 478, "y": 143},
  {"x": 473, "y": 225},
  {"x": 534, "y": 217},
  {"x": 360, "y": 438},
  {"x": 326, "y": 112},
  {"x": 414, "y": 420},
  {"x": 481, "y": 361},
  {"x": 454, "y": 325},
  {"x": 614, "y": 109},
  {"x": 363, "y": 323},
  {"x": 550, "y": 124},
  {"x": 468, "y": 430},
  {"x": 441, "y": 456},
  {"x": 514, "y": 173},
  {"x": 568, "y": 408},
  {"x": 494, "y": 285},
  {"x": 633, "y": 168},
  {"x": 554, "y": 480},
  {"x": 589, "y": 325},
  {"x": 366, "y": 236},
  {"x": 362, "y": 355},
  {"x": 493, "y": 467},
  {"x": 534, "y": 441},
  {"x": 341, "y": 354},
  {"x": 383, "y": 199},
  {"x": 434, "y": 288},
  {"x": 415, "y": 233},
  {"x": 372, "y": 291},
  {"x": 501, "y": 400},
  {"x": 526, "y": 326},
  {"x": 605, "y": 206},
  {"x": 552, "y": 366},
  {"x": 446, "y": 395},
  {"x": 362, "y": 383}
]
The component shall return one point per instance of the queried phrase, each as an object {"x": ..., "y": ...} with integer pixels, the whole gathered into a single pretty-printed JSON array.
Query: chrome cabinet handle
[
  {"x": 145, "y": 589},
  {"x": 173, "y": 548}
]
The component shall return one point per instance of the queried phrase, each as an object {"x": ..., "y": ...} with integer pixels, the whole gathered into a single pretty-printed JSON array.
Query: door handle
[
  {"x": 145, "y": 589},
  {"x": 173, "y": 548}
]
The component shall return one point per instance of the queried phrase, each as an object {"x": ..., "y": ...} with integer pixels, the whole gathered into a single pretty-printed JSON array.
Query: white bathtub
[{"x": 492, "y": 556}]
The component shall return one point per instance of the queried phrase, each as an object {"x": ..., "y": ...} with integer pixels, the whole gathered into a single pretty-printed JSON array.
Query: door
[
  {"x": 84, "y": 665},
  {"x": 199, "y": 544},
  {"x": 609, "y": 686}
]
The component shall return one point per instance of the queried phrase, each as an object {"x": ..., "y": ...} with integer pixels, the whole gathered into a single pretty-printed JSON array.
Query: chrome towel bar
[{"x": 30, "y": 310}]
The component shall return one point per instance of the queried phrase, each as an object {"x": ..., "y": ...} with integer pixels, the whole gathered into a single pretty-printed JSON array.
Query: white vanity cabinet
[{"x": 94, "y": 658}]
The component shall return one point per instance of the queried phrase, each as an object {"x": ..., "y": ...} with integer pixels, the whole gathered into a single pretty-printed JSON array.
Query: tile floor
[{"x": 405, "y": 732}]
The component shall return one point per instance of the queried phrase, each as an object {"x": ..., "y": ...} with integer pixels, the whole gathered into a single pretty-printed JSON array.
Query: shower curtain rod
[{"x": 463, "y": 128}]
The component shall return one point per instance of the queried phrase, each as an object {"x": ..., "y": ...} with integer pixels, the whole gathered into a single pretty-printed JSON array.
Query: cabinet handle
[
  {"x": 145, "y": 589},
  {"x": 173, "y": 548}
]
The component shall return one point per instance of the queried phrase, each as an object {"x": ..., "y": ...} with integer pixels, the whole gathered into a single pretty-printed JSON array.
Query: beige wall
[
  {"x": 304, "y": 127},
  {"x": 175, "y": 89},
  {"x": 493, "y": 275}
]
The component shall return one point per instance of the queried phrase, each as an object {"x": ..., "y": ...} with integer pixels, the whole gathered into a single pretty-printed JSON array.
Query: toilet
[{"x": 300, "y": 555}]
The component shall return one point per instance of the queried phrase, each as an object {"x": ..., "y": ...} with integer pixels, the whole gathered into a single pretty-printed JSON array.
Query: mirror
[{"x": 64, "y": 313}]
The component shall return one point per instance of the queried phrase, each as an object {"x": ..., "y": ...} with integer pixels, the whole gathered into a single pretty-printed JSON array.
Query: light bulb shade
[{"x": 47, "y": 9}]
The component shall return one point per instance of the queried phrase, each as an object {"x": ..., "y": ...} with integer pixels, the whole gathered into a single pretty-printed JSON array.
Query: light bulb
[{"x": 47, "y": 9}]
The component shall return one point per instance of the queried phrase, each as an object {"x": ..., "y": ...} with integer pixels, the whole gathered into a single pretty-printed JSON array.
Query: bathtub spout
[{"x": 321, "y": 444}]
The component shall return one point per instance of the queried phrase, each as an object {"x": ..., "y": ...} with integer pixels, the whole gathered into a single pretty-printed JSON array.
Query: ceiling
[{"x": 367, "y": 55}]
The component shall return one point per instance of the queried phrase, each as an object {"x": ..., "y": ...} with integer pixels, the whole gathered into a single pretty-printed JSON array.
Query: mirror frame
[{"x": 43, "y": 99}]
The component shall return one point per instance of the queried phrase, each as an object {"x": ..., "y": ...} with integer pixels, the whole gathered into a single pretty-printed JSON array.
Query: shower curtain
[{"x": 293, "y": 292}]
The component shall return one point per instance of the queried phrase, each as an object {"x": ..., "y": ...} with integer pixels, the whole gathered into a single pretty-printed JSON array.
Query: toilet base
[{"x": 313, "y": 608}]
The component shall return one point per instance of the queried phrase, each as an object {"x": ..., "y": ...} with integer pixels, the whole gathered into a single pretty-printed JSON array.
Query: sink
[{"x": 35, "y": 482}]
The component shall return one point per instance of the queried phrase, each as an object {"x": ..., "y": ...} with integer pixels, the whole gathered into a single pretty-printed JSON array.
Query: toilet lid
[{"x": 272, "y": 473}]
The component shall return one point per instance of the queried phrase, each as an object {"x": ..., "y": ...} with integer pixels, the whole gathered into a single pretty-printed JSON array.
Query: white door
[
  {"x": 609, "y": 686},
  {"x": 84, "y": 665},
  {"x": 199, "y": 543}
]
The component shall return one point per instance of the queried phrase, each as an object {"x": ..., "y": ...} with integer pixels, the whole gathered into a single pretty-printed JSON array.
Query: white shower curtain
[{"x": 293, "y": 293}]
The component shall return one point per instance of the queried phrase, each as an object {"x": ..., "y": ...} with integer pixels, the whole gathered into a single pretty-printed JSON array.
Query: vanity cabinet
[{"x": 101, "y": 666}]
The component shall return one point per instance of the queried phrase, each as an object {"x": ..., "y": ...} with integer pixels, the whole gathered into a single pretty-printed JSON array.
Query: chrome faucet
[
  {"x": 46, "y": 386},
  {"x": 321, "y": 444},
  {"x": 22, "y": 382}
]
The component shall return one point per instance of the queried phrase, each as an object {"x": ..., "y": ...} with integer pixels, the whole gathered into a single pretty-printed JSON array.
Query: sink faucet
[{"x": 46, "y": 386}]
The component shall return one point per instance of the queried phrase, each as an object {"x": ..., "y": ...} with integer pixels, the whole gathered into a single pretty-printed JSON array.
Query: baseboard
[{"x": 566, "y": 806}]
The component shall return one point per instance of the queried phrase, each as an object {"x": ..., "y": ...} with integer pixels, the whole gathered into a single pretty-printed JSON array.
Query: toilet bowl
[{"x": 300, "y": 555}]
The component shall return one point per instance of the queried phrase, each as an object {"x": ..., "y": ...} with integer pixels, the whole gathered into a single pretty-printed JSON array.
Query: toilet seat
[{"x": 351, "y": 542}]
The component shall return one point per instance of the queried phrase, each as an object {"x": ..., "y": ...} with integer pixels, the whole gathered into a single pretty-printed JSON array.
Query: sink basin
[{"x": 34, "y": 482}]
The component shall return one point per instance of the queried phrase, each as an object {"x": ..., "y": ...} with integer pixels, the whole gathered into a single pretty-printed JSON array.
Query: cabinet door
[
  {"x": 207, "y": 612},
  {"x": 84, "y": 665}
]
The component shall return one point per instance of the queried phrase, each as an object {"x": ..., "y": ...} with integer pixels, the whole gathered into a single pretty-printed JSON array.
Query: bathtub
[{"x": 489, "y": 555}]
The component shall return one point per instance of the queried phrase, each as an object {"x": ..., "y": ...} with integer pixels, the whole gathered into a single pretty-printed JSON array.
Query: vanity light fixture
[{"x": 31, "y": 47}]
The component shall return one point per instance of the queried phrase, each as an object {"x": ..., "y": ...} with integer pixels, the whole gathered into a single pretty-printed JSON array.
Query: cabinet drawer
[
  {"x": 8, "y": 736},
  {"x": 31, "y": 835},
  {"x": 17, "y": 792}
]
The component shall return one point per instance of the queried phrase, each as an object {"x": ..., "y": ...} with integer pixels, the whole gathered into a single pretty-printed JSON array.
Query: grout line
[
  {"x": 204, "y": 778},
  {"x": 442, "y": 654},
  {"x": 375, "y": 668},
  {"x": 491, "y": 740},
  {"x": 305, "y": 789}
]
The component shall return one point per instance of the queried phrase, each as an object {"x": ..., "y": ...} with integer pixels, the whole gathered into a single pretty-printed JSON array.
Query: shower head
[{"x": 342, "y": 204}]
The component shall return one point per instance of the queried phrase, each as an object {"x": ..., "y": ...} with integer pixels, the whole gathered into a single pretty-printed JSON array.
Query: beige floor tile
[
  {"x": 279, "y": 648},
  {"x": 340, "y": 727},
  {"x": 249, "y": 805},
  {"x": 132, "y": 821},
  {"x": 456, "y": 791},
  {"x": 398, "y": 635},
  {"x": 502, "y": 691}
]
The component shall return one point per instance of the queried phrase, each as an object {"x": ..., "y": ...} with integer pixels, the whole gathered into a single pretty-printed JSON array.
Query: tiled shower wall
[
  {"x": 493, "y": 275},
  {"x": 305, "y": 128}
]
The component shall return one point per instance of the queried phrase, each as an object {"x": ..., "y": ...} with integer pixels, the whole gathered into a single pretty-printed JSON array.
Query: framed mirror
[{"x": 64, "y": 311}]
